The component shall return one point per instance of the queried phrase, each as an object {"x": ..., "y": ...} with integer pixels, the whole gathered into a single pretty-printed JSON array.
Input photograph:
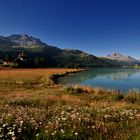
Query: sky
[{"x": 98, "y": 27}]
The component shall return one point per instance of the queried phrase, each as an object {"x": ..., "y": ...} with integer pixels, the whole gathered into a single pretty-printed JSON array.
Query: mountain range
[
  {"x": 122, "y": 59},
  {"x": 52, "y": 56}
]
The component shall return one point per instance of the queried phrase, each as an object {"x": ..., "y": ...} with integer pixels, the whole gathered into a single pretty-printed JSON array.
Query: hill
[{"x": 40, "y": 54}]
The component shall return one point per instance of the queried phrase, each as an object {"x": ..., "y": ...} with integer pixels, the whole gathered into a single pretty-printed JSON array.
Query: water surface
[{"x": 110, "y": 78}]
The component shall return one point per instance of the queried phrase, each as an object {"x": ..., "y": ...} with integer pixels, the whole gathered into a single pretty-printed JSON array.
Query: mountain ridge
[
  {"x": 122, "y": 58},
  {"x": 52, "y": 56}
]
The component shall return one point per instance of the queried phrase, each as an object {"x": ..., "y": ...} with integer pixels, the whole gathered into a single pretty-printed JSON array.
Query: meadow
[{"x": 34, "y": 107}]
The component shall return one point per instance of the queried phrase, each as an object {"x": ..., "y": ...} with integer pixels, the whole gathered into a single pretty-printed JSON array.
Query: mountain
[
  {"x": 5, "y": 43},
  {"x": 122, "y": 59},
  {"x": 40, "y": 54},
  {"x": 25, "y": 40}
]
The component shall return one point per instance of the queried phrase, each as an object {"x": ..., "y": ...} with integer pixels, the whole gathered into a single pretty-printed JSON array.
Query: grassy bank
[{"x": 33, "y": 106}]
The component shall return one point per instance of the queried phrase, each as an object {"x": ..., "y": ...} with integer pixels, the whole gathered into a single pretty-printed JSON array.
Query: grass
[{"x": 34, "y": 107}]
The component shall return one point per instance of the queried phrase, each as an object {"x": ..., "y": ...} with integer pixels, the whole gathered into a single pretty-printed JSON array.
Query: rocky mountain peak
[
  {"x": 120, "y": 57},
  {"x": 25, "y": 40}
]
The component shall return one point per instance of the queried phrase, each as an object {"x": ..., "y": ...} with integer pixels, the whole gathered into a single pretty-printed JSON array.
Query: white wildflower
[
  {"x": 37, "y": 135},
  {"x": 76, "y": 133}
]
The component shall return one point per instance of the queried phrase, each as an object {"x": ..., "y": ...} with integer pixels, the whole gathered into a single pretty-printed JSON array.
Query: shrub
[
  {"x": 117, "y": 96},
  {"x": 47, "y": 80},
  {"x": 69, "y": 89},
  {"x": 74, "y": 90},
  {"x": 133, "y": 97}
]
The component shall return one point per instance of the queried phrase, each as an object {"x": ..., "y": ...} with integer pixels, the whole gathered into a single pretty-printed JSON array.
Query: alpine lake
[{"x": 124, "y": 79}]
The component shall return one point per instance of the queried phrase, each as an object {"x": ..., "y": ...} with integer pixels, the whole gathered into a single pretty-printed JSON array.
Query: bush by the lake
[{"x": 133, "y": 96}]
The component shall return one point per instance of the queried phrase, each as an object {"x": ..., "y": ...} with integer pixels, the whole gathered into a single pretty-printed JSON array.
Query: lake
[{"x": 110, "y": 78}]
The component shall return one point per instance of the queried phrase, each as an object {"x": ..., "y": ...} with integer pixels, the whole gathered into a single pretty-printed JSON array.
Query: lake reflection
[{"x": 114, "y": 78}]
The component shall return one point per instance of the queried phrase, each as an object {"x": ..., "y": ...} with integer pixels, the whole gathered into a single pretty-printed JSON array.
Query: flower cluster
[{"x": 62, "y": 122}]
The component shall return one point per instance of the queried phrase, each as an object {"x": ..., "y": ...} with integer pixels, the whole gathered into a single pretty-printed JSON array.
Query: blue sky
[{"x": 98, "y": 27}]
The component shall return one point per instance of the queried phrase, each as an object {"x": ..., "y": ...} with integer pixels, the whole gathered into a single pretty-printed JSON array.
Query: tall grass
[{"x": 39, "y": 109}]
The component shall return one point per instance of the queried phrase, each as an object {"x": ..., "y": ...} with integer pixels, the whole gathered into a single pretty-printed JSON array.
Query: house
[{"x": 7, "y": 63}]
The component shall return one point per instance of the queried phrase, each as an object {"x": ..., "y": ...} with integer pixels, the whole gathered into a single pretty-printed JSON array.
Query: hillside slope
[{"x": 39, "y": 52}]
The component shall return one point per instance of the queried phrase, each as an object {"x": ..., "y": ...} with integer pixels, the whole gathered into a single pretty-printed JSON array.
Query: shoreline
[
  {"x": 55, "y": 77},
  {"x": 52, "y": 78}
]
